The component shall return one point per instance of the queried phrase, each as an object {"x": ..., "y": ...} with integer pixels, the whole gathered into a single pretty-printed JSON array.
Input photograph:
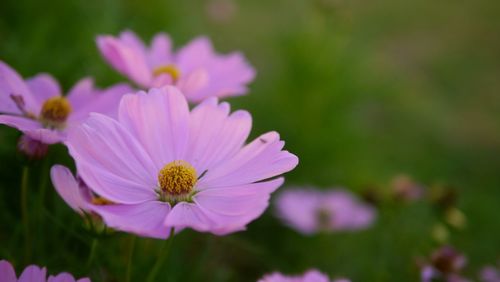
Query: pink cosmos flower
[
  {"x": 310, "y": 211},
  {"x": 37, "y": 108},
  {"x": 166, "y": 167},
  {"x": 196, "y": 69},
  {"x": 312, "y": 275},
  {"x": 33, "y": 273}
]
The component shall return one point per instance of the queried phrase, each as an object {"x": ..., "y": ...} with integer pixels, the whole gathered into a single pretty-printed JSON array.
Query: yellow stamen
[
  {"x": 171, "y": 70},
  {"x": 177, "y": 178},
  {"x": 55, "y": 111}
]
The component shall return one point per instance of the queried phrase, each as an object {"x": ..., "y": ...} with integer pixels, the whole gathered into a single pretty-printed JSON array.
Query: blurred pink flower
[
  {"x": 37, "y": 108},
  {"x": 310, "y": 211},
  {"x": 312, "y": 275},
  {"x": 196, "y": 69},
  {"x": 490, "y": 273},
  {"x": 166, "y": 167},
  {"x": 33, "y": 273}
]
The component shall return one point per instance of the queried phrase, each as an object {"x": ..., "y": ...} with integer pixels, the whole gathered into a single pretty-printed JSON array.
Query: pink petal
[
  {"x": 33, "y": 129},
  {"x": 191, "y": 84},
  {"x": 126, "y": 59},
  {"x": 111, "y": 161},
  {"x": 68, "y": 188},
  {"x": 214, "y": 135},
  {"x": 228, "y": 76},
  {"x": 43, "y": 86},
  {"x": 100, "y": 101},
  {"x": 145, "y": 219},
  {"x": 232, "y": 208},
  {"x": 62, "y": 277},
  {"x": 315, "y": 276},
  {"x": 199, "y": 52},
  {"x": 11, "y": 83},
  {"x": 161, "y": 51},
  {"x": 189, "y": 215},
  {"x": 129, "y": 38},
  {"x": 81, "y": 93},
  {"x": 33, "y": 273},
  {"x": 259, "y": 160},
  {"x": 7, "y": 272},
  {"x": 160, "y": 121}
]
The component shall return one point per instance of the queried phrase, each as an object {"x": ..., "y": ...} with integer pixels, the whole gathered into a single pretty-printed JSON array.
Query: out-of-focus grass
[{"x": 360, "y": 90}]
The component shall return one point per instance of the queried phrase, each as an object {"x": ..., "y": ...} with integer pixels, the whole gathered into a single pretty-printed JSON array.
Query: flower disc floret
[
  {"x": 55, "y": 111},
  {"x": 177, "y": 179}
]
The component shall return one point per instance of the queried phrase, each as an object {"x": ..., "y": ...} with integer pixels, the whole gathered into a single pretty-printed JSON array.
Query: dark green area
[{"x": 360, "y": 91}]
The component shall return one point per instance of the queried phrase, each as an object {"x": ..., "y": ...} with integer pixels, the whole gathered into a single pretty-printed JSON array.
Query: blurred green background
[{"x": 360, "y": 90}]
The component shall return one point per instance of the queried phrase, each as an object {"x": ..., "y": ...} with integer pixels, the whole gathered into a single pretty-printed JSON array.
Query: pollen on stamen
[
  {"x": 55, "y": 112},
  {"x": 177, "y": 180},
  {"x": 171, "y": 70}
]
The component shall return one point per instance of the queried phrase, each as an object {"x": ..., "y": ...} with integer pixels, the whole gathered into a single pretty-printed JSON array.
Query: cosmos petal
[
  {"x": 145, "y": 219},
  {"x": 33, "y": 273},
  {"x": 111, "y": 161},
  {"x": 160, "y": 121},
  {"x": 7, "y": 272},
  {"x": 232, "y": 208},
  {"x": 262, "y": 159}
]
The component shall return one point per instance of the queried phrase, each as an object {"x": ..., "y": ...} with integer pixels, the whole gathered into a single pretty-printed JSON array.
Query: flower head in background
[
  {"x": 165, "y": 167},
  {"x": 445, "y": 263},
  {"x": 37, "y": 108},
  {"x": 309, "y": 276},
  {"x": 33, "y": 273},
  {"x": 310, "y": 211},
  {"x": 196, "y": 69}
]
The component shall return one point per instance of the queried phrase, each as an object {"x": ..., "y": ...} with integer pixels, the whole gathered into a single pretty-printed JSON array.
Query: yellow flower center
[
  {"x": 177, "y": 180},
  {"x": 171, "y": 70},
  {"x": 55, "y": 111}
]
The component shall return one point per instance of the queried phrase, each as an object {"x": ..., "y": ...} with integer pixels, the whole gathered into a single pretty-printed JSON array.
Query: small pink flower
[
  {"x": 166, "y": 167},
  {"x": 196, "y": 69},
  {"x": 37, "y": 108},
  {"x": 312, "y": 275},
  {"x": 34, "y": 273},
  {"x": 310, "y": 211}
]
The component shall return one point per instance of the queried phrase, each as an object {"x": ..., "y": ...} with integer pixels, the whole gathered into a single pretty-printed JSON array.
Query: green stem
[
  {"x": 24, "y": 213},
  {"x": 92, "y": 252},
  {"x": 163, "y": 256},
  {"x": 129, "y": 261}
]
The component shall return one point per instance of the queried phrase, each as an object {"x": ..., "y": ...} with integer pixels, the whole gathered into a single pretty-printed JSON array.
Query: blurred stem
[
  {"x": 41, "y": 203},
  {"x": 165, "y": 250},
  {"x": 130, "y": 257},
  {"x": 24, "y": 213},
  {"x": 92, "y": 252}
]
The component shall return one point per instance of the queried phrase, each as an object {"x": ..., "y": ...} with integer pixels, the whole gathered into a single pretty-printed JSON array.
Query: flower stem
[
  {"x": 163, "y": 256},
  {"x": 93, "y": 248},
  {"x": 130, "y": 257},
  {"x": 24, "y": 213}
]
